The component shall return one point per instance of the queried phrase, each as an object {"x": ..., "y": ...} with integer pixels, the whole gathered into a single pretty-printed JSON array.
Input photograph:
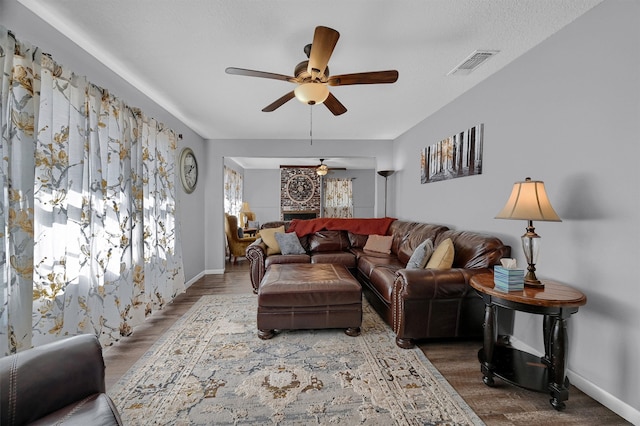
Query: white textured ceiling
[
  {"x": 176, "y": 52},
  {"x": 351, "y": 163}
]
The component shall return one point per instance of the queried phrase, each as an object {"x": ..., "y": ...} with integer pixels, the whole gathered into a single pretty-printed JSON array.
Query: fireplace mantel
[{"x": 300, "y": 214}]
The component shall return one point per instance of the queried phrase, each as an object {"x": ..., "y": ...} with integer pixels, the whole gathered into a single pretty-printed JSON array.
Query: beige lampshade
[
  {"x": 245, "y": 208},
  {"x": 311, "y": 93},
  {"x": 529, "y": 201}
]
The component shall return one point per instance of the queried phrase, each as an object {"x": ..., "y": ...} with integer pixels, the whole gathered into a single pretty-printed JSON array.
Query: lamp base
[
  {"x": 534, "y": 284},
  {"x": 530, "y": 280}
]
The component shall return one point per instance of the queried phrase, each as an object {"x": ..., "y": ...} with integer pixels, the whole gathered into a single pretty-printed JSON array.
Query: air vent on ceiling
[{"x": 472, "y": 62}]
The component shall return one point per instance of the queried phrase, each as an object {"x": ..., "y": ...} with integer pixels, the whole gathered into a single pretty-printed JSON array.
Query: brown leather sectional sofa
[
  {"x": 56, "y": 383},
  {"x": 416, "y": 303}
]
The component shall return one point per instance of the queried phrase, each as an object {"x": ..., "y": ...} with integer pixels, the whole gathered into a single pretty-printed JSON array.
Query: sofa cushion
[
  {"x": 328, "y": 241},
  {"x": 379, "y": 243},
  {"x": 345, "y": 258},
  {"x": 268, "y": 236},
  {"x": 411, "y": 237},
  {"x": 279, "y": 259},
  {"x": 289, "y": 243},
  {"x": 474, "y": 249},
  {"x": 382, "y": 279},
  {"x": 276, "y": 224},
  {"x": 357, "y": 240},
  {"x": 370, "y": 260},
  {"x": 421, "y": 255},
  {"x": 95, "y": 410},
  {"x": 442, "y": 257},
  {"x": 400, "y": 229}
]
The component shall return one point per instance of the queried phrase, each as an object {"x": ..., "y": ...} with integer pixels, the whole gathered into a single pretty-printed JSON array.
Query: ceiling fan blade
[
  {"x": 334, "y": 105},
  {"x": 324, "y": 41},
  {"x": 261, "y": 74},
  {"x": 278, "y": 103},
  {"x": 373, "y": 77}
]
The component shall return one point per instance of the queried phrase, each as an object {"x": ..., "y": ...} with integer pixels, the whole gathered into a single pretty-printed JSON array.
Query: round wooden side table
[{"x": 557, "y": 302}]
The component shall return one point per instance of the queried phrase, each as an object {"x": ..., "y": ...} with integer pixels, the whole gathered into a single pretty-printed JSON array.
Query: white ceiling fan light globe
[
  {"x": 322, "y": 170},
  {"x": 311, "y": 93}
]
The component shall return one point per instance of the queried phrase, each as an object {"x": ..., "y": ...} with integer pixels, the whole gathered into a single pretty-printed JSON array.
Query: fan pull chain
[{"x": 311, "y": 125}]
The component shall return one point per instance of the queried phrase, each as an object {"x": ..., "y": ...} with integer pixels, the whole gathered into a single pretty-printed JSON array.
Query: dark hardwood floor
[{"x": 457, "y": 361}]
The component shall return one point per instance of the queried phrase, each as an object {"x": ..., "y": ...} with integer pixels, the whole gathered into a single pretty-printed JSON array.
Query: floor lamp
[{"x": 385, "y": 174}]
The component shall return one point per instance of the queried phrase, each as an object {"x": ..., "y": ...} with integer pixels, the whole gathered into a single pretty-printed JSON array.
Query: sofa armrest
[
  {"x": 434, "y": 303},
  {"x": 434, "y": 283},
  {"x": 41, "y": 380},
  {"x": 257, "y": 254}
]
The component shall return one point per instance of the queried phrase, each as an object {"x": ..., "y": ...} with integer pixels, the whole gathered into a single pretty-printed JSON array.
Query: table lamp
[
  {"x": 529, "y": 201},
  {"x": 243, "y": 214}
]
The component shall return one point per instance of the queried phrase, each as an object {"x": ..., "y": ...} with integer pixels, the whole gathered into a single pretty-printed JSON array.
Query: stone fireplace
[
  {"x": 299, "y": 193},
  {"x": 305, "y": 214}
]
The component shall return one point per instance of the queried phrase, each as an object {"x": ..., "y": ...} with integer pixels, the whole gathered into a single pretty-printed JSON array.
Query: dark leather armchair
[{"x": 56, "y": 383}]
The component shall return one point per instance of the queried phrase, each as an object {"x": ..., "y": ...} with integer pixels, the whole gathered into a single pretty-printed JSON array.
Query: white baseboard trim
[
  {"x": 202, "y": 274},
  {"x": 193, "y": 280},
  {"x": 619, "y": 407}
]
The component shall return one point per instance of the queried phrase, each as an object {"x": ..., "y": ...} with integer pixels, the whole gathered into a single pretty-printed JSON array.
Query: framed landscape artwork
[{"x": 456, "y": 156}]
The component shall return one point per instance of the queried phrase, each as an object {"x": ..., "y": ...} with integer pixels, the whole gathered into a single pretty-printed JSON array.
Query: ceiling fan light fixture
[
  {"x": 311, "y": 93},
  {"x": 322, "y": 170}
]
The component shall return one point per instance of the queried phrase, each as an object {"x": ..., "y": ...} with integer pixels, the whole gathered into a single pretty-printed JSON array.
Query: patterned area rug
[{"x": 211, "y": 368}]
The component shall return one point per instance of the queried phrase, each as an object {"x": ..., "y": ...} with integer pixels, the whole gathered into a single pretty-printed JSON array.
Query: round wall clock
[
  {"x": 300, "y": 188},
  {"x": 188, "y": 170}
]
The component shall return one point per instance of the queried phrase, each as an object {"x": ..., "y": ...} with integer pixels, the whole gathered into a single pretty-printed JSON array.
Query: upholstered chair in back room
[{"x": 237, "y": 245}]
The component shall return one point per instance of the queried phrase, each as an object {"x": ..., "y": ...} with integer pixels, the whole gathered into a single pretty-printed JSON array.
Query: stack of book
[{"x": 508, "y": 279}]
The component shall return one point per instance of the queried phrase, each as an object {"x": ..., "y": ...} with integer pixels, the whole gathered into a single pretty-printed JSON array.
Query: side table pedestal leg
[
  {"x": 558, "y": 386},
  {"x": 490, "y": 327}
]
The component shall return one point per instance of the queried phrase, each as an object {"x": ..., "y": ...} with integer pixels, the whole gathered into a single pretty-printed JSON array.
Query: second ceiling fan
[
  {"x": 322, "y": 169},
  {"x": 312, "y": 76}
]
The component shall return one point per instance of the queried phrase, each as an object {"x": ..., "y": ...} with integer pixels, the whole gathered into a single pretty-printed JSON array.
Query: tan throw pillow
[
  {"x": 268, "y": 236},
  {"x": 379, "y": 243},
  {"x": 442, "y": 257}
]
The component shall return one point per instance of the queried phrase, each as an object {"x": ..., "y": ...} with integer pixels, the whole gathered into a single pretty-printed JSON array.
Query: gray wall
[
  {"x": 262, "y": 191},
  {"x": 28, "y": 27},
  {"x": 567, "y": 113}
]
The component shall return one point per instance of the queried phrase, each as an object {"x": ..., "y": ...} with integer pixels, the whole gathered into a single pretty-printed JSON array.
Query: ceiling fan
[
  {"x": 312, "y": 76},
  {"x": 322, "y": 169}
]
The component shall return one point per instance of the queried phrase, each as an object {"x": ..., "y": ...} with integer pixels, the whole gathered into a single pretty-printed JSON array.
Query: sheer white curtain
[
  {"x": 19, "y": 84},
  {"x": 338, "y": 198},
  {"x": 232, "y": 191},
  {"x": 95, "y": 242}
]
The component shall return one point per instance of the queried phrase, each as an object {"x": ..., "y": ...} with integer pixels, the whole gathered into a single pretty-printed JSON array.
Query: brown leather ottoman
[{"x": 308, "y": 296}]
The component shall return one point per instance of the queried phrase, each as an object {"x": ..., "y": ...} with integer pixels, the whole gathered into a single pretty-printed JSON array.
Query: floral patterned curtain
[
  {"x": 338, "y": 198},
  {"x": 19, "y": 85},
  {"x": 232, "y": 191},
  {"x": 91, "y": 226}
]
